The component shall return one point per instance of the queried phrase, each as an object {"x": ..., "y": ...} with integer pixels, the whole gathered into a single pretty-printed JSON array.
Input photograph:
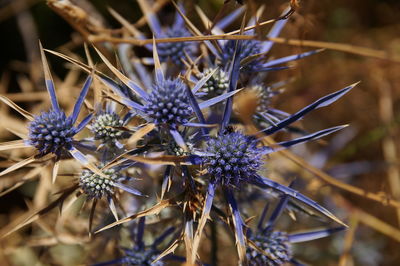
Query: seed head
[
  {"x": 103, "y": 127},
  {"x": 274, "y": 243},
  {"x": 233, "y": 158},
  {"x": 51, "y": 132},
  {"x": 168, "y": 103},
  {"x": 96, "y": 186},
  {"x": 217, "y": 83},
  {"x": 265, "y": 95}
]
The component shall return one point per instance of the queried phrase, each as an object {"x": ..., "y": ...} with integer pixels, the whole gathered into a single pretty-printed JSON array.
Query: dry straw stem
[
  {"x": 386, "y": 111},
  {"x": 342, "y": 47},
  {"x": 349, "y": 240},
  {"x": 368, "y": 219}
]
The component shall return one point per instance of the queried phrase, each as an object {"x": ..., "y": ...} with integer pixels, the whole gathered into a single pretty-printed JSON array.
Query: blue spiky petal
[
  {"x": 274, "y": 243},
  {"x": 51, "y": 132},
  {"x": 233, "y": 158},
  {"x": 168, "y": 103}
]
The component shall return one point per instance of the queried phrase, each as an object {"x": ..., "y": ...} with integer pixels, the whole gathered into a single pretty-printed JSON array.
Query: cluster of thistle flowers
[{"x": 186, "y": 113}]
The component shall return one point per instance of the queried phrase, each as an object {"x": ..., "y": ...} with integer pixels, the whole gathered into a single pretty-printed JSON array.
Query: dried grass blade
[
  {"x": 140, "y": 133},
  {"x": 18, "y": 165},
  {"x": 151, "y": 211},
  {"x": 14, "y": 106},
  {"x": 15, "y": 144},
  {"x": 55, "y": 171},
  {"x": 163, "y": 160},
  {"x": 34, "y": 215}
]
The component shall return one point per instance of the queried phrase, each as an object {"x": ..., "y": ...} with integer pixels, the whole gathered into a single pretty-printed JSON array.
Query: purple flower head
[
  {"x": 233, "y": 158},
  {"x": 217, "y": 84},
  {"x": 265, "y": 95},
  {"x": 175, "y": 51},
  {"x": 168, "y": 103},
  {"x": 274, "y": 243},
  {"x": 248, "y": 48},
  {"x": 51, "y": 132}
]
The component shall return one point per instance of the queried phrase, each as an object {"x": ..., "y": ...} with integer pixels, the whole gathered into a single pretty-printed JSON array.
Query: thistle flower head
[
  {"x": 142, "y": 257},
  {"x": 96, "y": 186},
  {"x": 274, "y": 243},
  {"x": 233, "y": 158},
  {"x": 264, "y": 94},
  {"x": 174, "y": 50},
  {"x": 248, "y": 48},
  {"x": 103, "y": 127},
  {"x": 51, "y": 132},
  {"x": 217, "y": 84},
  {"x": 168, "y": 103},
  {"x": 174, "y": 149}
]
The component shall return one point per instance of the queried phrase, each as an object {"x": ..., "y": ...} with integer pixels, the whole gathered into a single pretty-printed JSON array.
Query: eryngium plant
[{"x": 211, "y": 158}]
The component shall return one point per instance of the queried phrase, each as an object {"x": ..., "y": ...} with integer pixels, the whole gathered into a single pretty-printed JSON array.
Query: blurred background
[{"x": 366, "y": 155}]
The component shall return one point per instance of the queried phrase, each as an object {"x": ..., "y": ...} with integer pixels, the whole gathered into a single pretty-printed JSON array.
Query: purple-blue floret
[
  {"x": 168, "y": 103},
  {"x": 248, "y": 48},
  {"x": 175, "y": 50},
  {"x": 274, "y": 243},
  {"x": 233, "y": 158}
]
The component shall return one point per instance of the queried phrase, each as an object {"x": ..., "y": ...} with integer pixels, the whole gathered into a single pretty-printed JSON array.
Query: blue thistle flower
[
  {"x": 248, "y": 48},
  {"x": 274, "y": 243},
  {"x": 265, "y": 95},
  {"x": 233, "y": 158},
  {"x": 168, "y": 103},
  {"x": 51, "y": 132},
  {"x": 173, "y": 51},
  {"x": 276, "y": 246},
  {"x": 96, "y": 186},
  {"x": 143, "y": 255},
  {"x": 178, "y": 50},
  {"x": 217, "y": 84}
]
